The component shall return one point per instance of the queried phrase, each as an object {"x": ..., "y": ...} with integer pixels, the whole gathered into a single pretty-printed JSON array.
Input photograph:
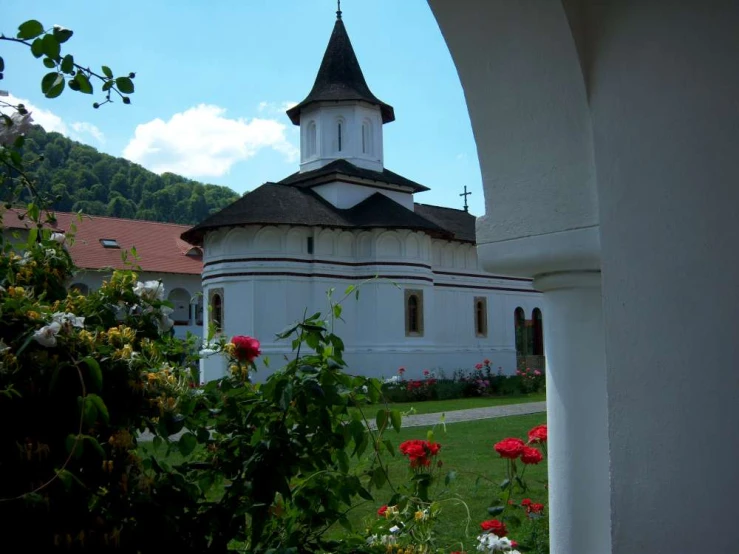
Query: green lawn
[
  {"x": 437, "y": 406},
  {"x": 467, "y": 449}
]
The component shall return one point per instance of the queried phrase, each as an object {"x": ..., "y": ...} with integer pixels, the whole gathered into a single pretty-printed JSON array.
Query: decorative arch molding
[
  {"x": 311, "y": 140},
  {"x": 412, "y": 246},
  {"x": 214, "y": 243},
  {"x": 436, "y": 254},
  {"x": 345, "y": 245},
  {"x": 471, "y": 258},
  {"x": 364, "y": 245},
  {"x": 459, "y": 256},
  {"x": 268, "y": 239},
  {"x": 295, "y": 241},
  {"x": 236, "y": 241},
  {"x": 367, "y": 138},
  {"x": 325, "y": 243},
  {"x": 388, "y": 245},
  {"x": 447, "y": 256},
  {"x": 340, "y": 135}
]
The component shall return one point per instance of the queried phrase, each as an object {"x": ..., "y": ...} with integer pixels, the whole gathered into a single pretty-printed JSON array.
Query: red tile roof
[{"x": 158, "y": 245}]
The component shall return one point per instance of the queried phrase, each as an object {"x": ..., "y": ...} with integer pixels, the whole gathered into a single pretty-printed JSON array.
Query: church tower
[{"x": 341, "y": 118}]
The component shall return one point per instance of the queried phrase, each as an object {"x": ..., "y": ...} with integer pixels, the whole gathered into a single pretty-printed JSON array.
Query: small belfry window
[
  {"x": 413, "y": 313},
  {"x": 366, "y": 138},
  {"x": 338, "y": 135},
  {"x": 481, "y": 316},
  {"x": 311, "y": 140}
]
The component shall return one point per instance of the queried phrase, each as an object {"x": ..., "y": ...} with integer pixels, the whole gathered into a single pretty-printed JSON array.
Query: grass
[
  {"x": 436, "y": 406},
  {"x": 467, "y": 449}
]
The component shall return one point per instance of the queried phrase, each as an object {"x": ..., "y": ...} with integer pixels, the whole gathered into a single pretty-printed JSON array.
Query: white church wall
[{"x": 374, "y": 327}]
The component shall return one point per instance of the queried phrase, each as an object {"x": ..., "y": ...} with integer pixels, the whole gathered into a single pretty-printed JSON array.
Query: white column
[{"x": 577, "y": 413}]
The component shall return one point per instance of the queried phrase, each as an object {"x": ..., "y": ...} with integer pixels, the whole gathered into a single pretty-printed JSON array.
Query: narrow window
[
  {"x": 311, "y": 140},
  {"x": 339, "y": 135},
  {"x": 199, "y": 311},
  {"x": 414, "y": 313},
  {"x": 519, "y": 321},
  {"x": 310, "y": 245},
  {"x": 364, "y": 138},
  {"x": 109, "y": 243},
  {"x": 481, "y": 316},
  {"x": 538, "y": 332},
  {"x": 216, "y": 309}
]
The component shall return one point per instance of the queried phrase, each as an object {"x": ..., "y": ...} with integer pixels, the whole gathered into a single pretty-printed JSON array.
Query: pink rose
[{"x": 247, "y": 348}]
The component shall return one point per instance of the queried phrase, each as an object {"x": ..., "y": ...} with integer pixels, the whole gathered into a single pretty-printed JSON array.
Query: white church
[{"x": 345, "y": 220}]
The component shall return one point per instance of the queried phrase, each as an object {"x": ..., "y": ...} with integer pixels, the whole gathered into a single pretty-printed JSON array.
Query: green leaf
[
  {"x": 187, "y": 444},
  {"x": 68, "y": 63},
  {"x": 61, "y": 34},
  {"x": 83, "y": 82},
  {"x": 495, "y": 510},
  {"x": 157, "y": 442},
  {"x": 71, "y": 443},
  {"x": 337, "y": 311},
  {"x": 89, "y": 411},
  {"x": 378, "y": 477},
  {"x": 92, "y": 441},
  {"x": 51, "y": 46},
  {"x": 30, "y": 29},
  {"x": 203, "y": 434},
  {"x": 343, "y": 460},
  {"x": 395, "y": 419},
  {"x": 124, "y": 84},
  {"x": 505, "y": 484},
  {"x": 364, "y": 493},
  {"x": 37, "y": 48},
  {"x": 100, "y": 406},
  {"x": 107, "y": 72},
  {"x": 514, "y": 521},
  {"x": 52, "y": 84},
  {"x": 96, "y": 374},
  {"x": 390, "y": 447},
  {"x": 381, "y": 419},
  {"x": 48, "y": 62}
]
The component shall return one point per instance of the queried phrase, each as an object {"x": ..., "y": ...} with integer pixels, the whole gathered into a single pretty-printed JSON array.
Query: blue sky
[{"x": 213, "y": 79}]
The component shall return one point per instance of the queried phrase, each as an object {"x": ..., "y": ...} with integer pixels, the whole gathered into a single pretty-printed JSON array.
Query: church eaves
[{"x": 340, "y": 78}]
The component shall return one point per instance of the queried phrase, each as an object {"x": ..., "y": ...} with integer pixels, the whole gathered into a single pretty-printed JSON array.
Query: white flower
[
  {"x": 393, "y": 379},
  {"x": 165, "y": 323},
  {"x": 365, "y": 389},
  {"x": 150, "y": 290},
  {"x": 394, "y": 529},
  {"x": 50, "y": 254},
  {"x": 20, "y": 125},
  {"x": 58, "y": 237},
  {"x": 46, "y": 336},
  {"x": 68, "y": 319},
  {"x": 490, "y": 542}
]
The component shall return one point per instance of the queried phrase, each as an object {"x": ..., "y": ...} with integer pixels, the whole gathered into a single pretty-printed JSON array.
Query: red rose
[
  {"x": 425, "y": 371},
  {"x": 526, "y": 502},
  {"x": 510, "y": 448},
  {"x": 514, "y": 544},
  {"x": 401, "y": 370},
  {"x": 537, "y": 508},
  {"x": 494, "y": 526},
  {"x": 247, "y": 348},
  {"x": 478, "y": 366},
  {"x": 538, "y": 434},
  {"x": 531, "y": 455},
  {"x": 486, "y": 361},
  {"x": 382, "y": 510},
  {"x": 419, "y": 452}
]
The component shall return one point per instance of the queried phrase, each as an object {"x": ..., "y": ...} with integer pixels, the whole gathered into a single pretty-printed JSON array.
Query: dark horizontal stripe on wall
[
  {"x": 481, "y": 287},
  {"x": 300, "y": 261},
  {"x": 490, "y": 276},
  {"x": 325, "y": 275}
]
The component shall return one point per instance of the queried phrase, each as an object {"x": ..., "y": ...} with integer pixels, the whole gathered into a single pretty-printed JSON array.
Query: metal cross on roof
[
  {"x": 338, "y": 9},
  {"x": 465, "y": 194}
]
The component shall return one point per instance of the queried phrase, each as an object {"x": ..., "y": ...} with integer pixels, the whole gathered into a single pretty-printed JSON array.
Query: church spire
[{"x": 340, "y": 78}]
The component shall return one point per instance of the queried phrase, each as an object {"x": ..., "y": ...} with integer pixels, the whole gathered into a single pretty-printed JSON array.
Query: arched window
[
  {"x": 198, "y": 305},
  {"x": 339, "y": 129},
  {"x": 310, "y": 139},
  {"x": 414, "y": 313},
  {"x": 367, "y": 138},
  {"x": 519, "y": 321},
  {"x": 81, "y": 288},
  {"x": 180, "y": 300},
  {"x": 538, "y": 332},
  {"x": 481, "y": 316},
  {"x": 216, "y": 309}
]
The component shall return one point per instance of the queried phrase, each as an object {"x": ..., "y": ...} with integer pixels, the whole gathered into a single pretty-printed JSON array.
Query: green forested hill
[{"x": 99, "y": 184}]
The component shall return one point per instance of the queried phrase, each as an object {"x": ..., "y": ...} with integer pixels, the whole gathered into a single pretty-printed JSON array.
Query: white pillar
[{"x": 577, "y": 413}]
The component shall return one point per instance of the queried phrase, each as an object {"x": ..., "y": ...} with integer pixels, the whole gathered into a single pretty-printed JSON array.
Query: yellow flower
[
  {"x": 125, "y": 353},
  {"x": 16, "y": 292}
]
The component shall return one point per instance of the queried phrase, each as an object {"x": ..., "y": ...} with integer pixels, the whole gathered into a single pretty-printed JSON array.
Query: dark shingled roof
[
  {"x": 458, "y": 222},
  {"x": 340, "y": 78},
  {"x": 279, "y": 204},
  {"x": 342, "y": 168}
]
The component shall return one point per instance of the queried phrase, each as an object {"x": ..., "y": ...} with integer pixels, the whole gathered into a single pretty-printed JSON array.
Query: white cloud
[
  {"x": 89, "y": 128},
  {"x": 276, "y": 108},
  {"x": 202, "y": 142},
  {"x": 51, "y": 122}
]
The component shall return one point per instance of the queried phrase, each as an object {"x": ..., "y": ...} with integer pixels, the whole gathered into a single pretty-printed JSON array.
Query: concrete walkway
[
  {"x": 457, "y": 416},
  {"x": 421, "y": 420}
]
